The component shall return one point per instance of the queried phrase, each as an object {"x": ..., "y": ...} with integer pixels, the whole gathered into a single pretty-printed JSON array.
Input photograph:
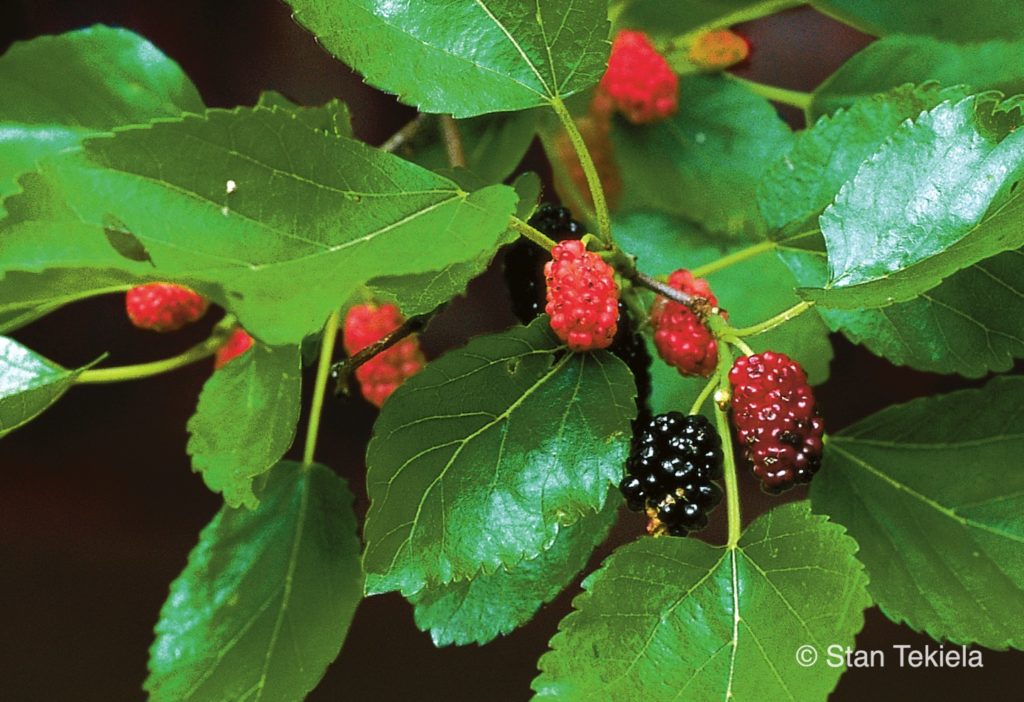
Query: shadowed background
[{"x": 99, "y": 507}]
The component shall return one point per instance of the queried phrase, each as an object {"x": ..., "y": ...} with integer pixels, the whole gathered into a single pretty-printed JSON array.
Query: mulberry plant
[{"x": 888, "y": 214}]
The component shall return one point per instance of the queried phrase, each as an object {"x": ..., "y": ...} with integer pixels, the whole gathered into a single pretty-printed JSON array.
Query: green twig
[
  {"x": 778, "y": 320},
  {"x": 323, "y": 372},
  {"x": 604, "y": 226},
  {"x": 732, "y": 259},
  {"x": 732, "y": 491},
  {"x": 794, "y": 98},
  {"x": 147, "y": 370}
]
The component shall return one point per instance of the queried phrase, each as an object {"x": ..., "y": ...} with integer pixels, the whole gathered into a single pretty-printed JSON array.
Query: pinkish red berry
[
  {"x": 681, "y": 337},
  {"x": 583, "y": 299},
  {"x": 238, "y": 343},
  {"x": 164, "y": 307},
  {"x": 639, "y": 81},
  {"x": 384, "y": 373},
  {"x": 776, "y": 419}
]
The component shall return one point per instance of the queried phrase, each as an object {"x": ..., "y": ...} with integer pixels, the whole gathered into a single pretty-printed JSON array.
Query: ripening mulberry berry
[
  {"x": 681, "y": 337},
  {"x": 238, "y": 343},
  {"x": 639, "y": 80},
  {"x": 164, "y": 307},
  {"x": 583, "y": 298},
  {"x": 672, "y": 466},
  {"x": 776, "y": 419},
  {"x": 524, "y": 260},
  {"x": 384, "y": 373},
  {"x": 717, "y": 50}
]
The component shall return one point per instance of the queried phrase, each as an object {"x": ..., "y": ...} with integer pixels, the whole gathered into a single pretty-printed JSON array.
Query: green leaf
[
  {"x": 522, "y": 54},
  {"x": 56, "y": 90},
  {"x": 421, "y": 293},
  {"x": 246, "y": 420},
  {"x": 945, "y": 19},
  {"x": 969, "y": 324},
  {"x": 805, "y": 180},
  {"x": 930, "y": 202},
  {"x": 487, "y": 606},
  {"x": 705, "y": 162},
  {"x": 222, "y": 204},
  {"x": 674, "y": 618},
  {"x": 332, "y": 117},
  {"x": 751, "y": 291},
  {"x": 494, "y": 144},
  {"x": 933, "y": 492},
  {"x": 896, "y": 60},
  {"x": 267, "y": 596},
  {"x": 478, "y": 461},
  {"x": 670, "y": 18},
  {"x": 29, "y": 384}
]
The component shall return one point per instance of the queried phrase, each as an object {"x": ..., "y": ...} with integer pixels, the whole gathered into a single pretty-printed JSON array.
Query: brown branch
[
  {"x": 453, "y": 142},
  {"x": 404, "y": 135},
  {"x": 646, "y": 281},
  {"x": 342, "y": 370}
]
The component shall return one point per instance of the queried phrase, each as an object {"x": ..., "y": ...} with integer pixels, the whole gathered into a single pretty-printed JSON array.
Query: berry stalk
[
  {"x": 604, "y": 226},
  {"x": 323, "y": 372},
  {"x": 532, "y": 233}
]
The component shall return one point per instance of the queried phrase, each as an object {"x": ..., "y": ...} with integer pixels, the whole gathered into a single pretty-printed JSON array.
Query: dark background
[{"x": 99, "y": 507}]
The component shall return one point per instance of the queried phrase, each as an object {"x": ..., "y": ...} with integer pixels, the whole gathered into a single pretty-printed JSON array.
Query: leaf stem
[
  {"x": 323, "y": 372},
  {"x": 732, "y": 490},
  {"x": 343, "y": 370},
  {"x": 778, "y": 320},
  {"x": 794, "y": 98},
  {"x": 453, "y": 142},
  {"x": 146, "y": 370},
  {"x": 604, "y": 226},
  {"x": 532, "y": 233},
  {"x": 732, "y": 259}
]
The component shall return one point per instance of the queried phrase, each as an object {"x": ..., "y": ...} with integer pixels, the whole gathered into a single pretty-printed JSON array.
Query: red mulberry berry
[
  {"x": 776, "y": 419},
  {"x": 583, "y": 299},
  {"x": 639, "y": 80},
  {"x": 384, "y": 373},
  {"x": 238, "y": 343},
  {"x": 681, "y": 337},
  {"x": 164, "y": 307}
]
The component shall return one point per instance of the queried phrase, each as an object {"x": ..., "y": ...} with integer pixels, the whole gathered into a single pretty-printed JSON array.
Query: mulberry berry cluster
[
  {"x": 384, "y": 373},
  {"x": 776, "y": 419},
  {"x": 681, "y": 337},
  {"x": 672, "y": 467},
  {"x": 639, "y": 81},
  {"x": 583, "y": 298},
  {"x": 164, "y": 307}
]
